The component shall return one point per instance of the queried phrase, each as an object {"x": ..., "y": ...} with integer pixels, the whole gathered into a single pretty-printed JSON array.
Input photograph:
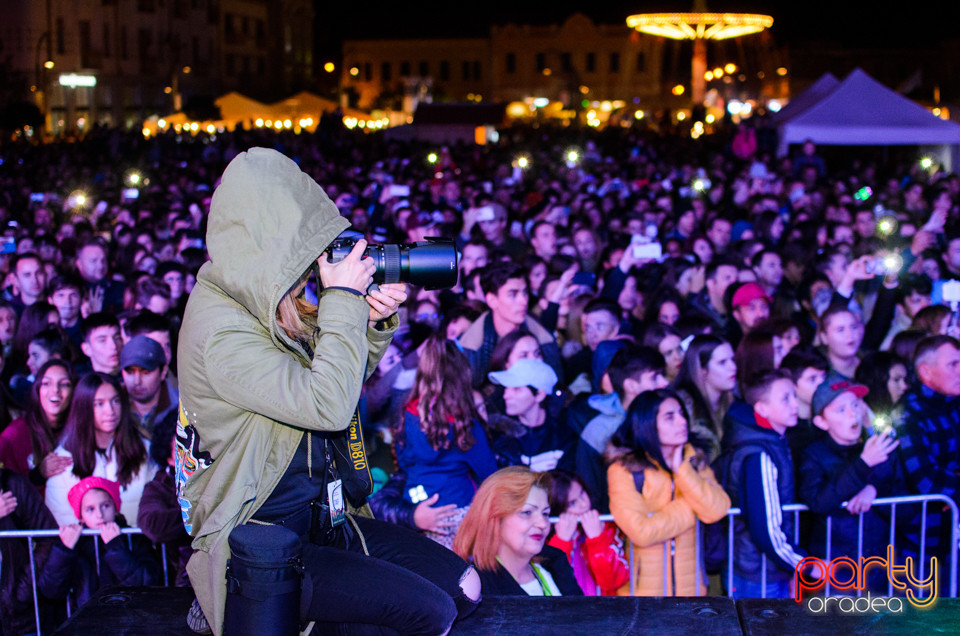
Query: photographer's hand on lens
[
  {"x": 385, "y": 302},
  {"x": 353, "y": 272}
]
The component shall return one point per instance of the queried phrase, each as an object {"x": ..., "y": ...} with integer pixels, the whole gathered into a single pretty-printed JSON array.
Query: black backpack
[{"x": 715, "y": 535}]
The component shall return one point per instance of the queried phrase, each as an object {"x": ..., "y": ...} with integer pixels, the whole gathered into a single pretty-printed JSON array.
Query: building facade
[
  {"x": 567, "y": 63},
  {"x": 116, "y": 62}
]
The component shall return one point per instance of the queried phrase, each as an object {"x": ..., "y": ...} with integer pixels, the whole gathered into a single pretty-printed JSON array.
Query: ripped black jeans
[{"x": 407, "y": 585}]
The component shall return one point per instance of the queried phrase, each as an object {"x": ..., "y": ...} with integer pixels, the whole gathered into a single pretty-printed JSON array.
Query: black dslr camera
[{"x": 431, "y": 264}]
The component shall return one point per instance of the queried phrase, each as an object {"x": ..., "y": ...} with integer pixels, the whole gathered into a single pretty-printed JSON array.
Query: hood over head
[
  {"x": 607, "y": 404},
  {"x": 268, "y": 224}
]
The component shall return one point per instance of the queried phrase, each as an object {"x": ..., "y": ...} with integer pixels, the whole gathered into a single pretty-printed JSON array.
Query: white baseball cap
[{"x": 526, "y": 372}]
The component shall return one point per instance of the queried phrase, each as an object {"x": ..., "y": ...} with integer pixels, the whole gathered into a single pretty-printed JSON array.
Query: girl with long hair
[
  {"x": 504, "y": 535},
  {"x": 593, "y": 547},
  {"x": 759, "y": 350},
  {"x": 933, "y": 319},
  {"x": 16, "y": 373},
  {"x": 666, "y": 340},
  {"x": 52, "y": 342},
  {"x": 514, "y": 346},
  {"x": 102, "y": 440},
  {"x": 705, "y": 385},
  {"x": 26, "y": 446},
  {"x": 660, "y": 485},
  {"x": 841, "y": 333},
  {"x": 684, "y": 276},
  {"x": 443, "y": 448},
  {"x": 884, "y": 373},
  {"x": 665, "y": 307}
]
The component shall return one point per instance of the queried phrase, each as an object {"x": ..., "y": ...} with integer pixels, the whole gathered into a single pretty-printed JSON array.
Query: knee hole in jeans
[{"x": 470, "y": 584}]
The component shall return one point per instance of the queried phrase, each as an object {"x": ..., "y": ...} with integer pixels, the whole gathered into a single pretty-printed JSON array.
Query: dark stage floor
[{"x": 161, "y": 611}]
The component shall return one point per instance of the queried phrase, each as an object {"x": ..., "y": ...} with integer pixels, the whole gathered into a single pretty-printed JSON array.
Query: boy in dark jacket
[
  {"x": 73, "y": 562},
  {"x": 756, "y": 469},
  {"x": 839, "y": 467}
]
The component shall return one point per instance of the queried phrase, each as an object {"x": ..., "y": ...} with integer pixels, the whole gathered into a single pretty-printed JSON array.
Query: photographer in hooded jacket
[{"x": 268, "y": 431}]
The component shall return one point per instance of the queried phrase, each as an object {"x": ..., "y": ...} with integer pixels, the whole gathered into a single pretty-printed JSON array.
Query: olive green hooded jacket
[{"x": 247, "y": 391}]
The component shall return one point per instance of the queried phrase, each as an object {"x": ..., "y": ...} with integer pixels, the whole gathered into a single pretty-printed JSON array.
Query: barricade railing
[
  {"x": 892, "y": 502},
  {"x": 796, "y": 509},
  {"x": 31, "y": 535},
  {"x": 700, "y": 576}
]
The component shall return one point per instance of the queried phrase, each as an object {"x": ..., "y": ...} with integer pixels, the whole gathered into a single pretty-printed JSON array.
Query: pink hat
[
  {"x": 75, "y": 495},
  {"x": 747, "y": 293}
]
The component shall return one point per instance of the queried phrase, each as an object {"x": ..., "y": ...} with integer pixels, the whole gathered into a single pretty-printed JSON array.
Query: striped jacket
[{"x": 756, "y": 470}]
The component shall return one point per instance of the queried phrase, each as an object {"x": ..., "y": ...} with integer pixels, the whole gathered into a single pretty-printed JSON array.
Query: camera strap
[{"x": 351, "y": 460}]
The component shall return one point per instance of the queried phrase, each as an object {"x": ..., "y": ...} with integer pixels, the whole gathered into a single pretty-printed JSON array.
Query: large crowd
[{"x": 644, "y": 325}]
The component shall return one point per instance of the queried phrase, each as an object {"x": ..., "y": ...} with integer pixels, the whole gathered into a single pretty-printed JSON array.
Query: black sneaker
[{"x": 196, "y": 621}]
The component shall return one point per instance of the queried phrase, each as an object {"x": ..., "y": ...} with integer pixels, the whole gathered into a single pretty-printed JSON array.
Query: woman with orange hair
[{"x": 504, "y": 535}]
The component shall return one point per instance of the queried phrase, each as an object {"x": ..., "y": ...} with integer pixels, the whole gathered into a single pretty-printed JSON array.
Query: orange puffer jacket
[{"x": 659, "y": 521}]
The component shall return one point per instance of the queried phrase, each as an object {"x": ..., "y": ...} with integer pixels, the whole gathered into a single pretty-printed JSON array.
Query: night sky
[{"x": 857, "y": 23}]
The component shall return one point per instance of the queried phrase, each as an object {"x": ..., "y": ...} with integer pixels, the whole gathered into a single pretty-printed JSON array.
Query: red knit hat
[{"x": 75, "y": 495}]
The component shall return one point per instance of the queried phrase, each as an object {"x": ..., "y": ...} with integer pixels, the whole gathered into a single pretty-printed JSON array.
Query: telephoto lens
[{"x": 431, "y": 264}]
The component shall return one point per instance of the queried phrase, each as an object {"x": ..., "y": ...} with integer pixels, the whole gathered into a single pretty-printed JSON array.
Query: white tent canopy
[
  {"x": 863, "y": 112},
  {"x": 814, "y": 93}
]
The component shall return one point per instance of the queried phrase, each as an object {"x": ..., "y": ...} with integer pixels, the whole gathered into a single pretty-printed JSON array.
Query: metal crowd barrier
[
  {"x": 796, "y": 509},
  {"x": 30, "y": 535}
]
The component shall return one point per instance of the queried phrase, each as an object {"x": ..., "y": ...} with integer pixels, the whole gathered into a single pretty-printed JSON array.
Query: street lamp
[{"x": 699, "y": 26}]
